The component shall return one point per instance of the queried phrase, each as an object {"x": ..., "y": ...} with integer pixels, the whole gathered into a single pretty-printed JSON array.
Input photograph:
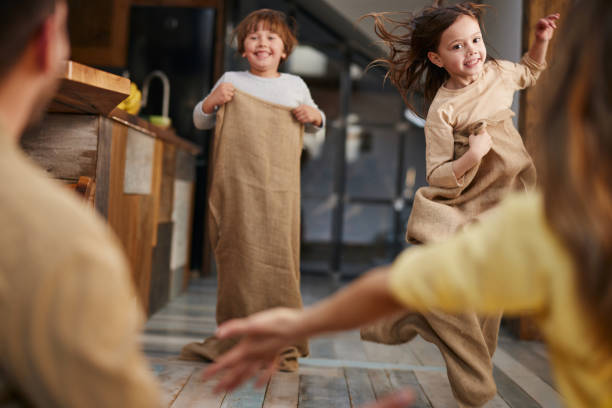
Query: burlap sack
[
  {"x": 466, "y": 341},
  {"x": 439, "y": 212},
  {"x": 254, "y": 214}
]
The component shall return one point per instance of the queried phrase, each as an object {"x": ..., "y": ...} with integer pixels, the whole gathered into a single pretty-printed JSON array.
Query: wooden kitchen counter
[{"x": 143, "y": 176}]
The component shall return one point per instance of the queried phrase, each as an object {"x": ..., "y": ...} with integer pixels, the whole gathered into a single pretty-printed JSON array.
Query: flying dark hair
[{"x": 408, "y": 66}]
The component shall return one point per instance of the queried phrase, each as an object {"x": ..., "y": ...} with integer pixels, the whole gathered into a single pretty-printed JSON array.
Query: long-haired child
[
  {"x": 474, "y": 157},
  {"x": 255, "y": 218},
  {"x": 547, "y": 254}
]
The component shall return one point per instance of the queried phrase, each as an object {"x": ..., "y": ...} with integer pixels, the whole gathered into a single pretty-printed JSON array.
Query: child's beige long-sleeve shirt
[{"x": 448, "y": 203}]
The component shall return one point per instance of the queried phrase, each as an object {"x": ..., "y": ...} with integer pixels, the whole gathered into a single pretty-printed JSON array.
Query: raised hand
[
  {"x": 220, "y": 96},
  {"x": 545, "y": 27}
]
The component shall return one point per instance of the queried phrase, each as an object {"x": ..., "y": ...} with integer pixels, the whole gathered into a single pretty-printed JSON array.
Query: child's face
[
  {"x": 461, "y": 51},
  {"x": 264, "y": 50}
]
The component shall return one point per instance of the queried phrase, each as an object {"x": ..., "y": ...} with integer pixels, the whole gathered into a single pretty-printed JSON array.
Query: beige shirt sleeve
[
  {"x": 500, "y": 263},
  {"x": 523, "y": 74},
  {"x": 439, "y": 153},
  {"x": 77, "y": 342}
]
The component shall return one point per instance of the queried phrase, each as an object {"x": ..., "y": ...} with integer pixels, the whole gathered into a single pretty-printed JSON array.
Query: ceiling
[{"x": 353, "y": 9}]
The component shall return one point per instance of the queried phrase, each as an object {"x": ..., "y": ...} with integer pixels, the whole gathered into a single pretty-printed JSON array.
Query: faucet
[{"x": 166, "y": 85}]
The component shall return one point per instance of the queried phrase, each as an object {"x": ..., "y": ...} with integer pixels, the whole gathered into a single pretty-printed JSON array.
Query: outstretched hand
[
  {"x": 545, "y": 27},
  {"x": 264, "y": 334}
]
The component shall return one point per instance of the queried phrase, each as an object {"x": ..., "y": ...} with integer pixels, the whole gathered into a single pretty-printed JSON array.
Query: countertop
[{"x": 88, "y": 90}]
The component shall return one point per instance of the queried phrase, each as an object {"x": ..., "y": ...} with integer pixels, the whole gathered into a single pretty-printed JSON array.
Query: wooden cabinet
[
  {"x": 143, "y": 175},
  {"x": 99, "y": 29}
]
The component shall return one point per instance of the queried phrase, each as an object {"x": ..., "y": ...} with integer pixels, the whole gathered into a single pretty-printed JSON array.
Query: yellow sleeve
[
  {"x": 83, "y": 327},
  {"x": 500, "y": 263}
]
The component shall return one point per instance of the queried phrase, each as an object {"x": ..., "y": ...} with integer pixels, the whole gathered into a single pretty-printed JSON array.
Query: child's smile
[{"x": 472, "y": 62}]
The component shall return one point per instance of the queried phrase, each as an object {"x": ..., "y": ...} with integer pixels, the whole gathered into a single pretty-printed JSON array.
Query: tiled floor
[{"x": 342, "y": 371}]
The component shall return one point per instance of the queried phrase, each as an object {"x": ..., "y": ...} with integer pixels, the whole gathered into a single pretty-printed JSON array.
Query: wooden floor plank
[
  {"x": 247, "y": 396},
  {"x": 172, "y": 379},
  {"x": 322, "y": 347},
  {"x": 538, "y": 347},
  {"x": 541, "y": 392},
  {"x": 381, "y": 384},
  {"x": 435, "y": 385},
  {"x": 403, "y": 379},
  {"x": 359, "y": 386},
  {"x": 319, "y": 391},
  {"x": 349, "y": 347},
  {"x": 283, "y": 391},
  {"x": 183, "y": 318},
  {"x": 521, "y": 352},
  {"x": 514, "y": 395},
  {"x": 437, "y": 389},
  {"x": 169, "y": 325},
  {"x": 322, "y": 371},
  {"x": 198, "y": 394},
  {"x": 164, "y": 342},
  {"x": 394, "y": 354},
  {"x": 497, "y": 402},
  {"x": 426, "y": 352}
]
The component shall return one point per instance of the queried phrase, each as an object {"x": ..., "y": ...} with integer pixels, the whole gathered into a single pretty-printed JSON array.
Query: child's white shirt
[{"x": 287, "y": 90}]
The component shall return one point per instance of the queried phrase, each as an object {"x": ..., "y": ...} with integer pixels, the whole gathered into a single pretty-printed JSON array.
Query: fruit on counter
[
  {"x": 131, "y": 104},
  {"x": 161, "y": 121}
]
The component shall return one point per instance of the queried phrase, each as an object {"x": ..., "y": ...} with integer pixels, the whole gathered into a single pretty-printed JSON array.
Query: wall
[{"x": 503, "y": 35}]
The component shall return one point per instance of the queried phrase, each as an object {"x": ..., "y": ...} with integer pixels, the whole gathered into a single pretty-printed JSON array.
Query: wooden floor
[{"x": 342, "y": 371}]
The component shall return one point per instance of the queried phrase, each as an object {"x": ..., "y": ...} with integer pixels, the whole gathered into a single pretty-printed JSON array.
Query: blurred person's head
[
  {"x": 33, "y": 47},
  {"x": 575, "y": 155}
]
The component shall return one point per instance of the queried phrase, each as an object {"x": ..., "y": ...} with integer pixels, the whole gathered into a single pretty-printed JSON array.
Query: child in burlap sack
[
  {"x": 548, "y": 254},
  {"x": 254, "y": 198},
  {"x": 474, "y": 157}
]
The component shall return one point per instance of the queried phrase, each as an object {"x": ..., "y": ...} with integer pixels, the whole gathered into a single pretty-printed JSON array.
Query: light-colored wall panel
[
  {"x": 181, "y": 214},
  {"x": 139, "y": 154}
]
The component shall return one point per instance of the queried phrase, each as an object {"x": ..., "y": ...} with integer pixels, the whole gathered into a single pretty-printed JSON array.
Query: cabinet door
[{"x": 98, "y": 31}]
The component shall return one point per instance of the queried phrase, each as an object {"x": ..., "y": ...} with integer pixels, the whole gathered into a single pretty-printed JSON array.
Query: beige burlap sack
[
  {"x": 466, "y": 341},
  {"x": 254, "y": 214},
  {"x": 439, "y": 212}
]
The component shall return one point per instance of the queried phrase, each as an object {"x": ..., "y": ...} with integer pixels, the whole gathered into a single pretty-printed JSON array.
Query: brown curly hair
[
  {"x": 273, "y": 20},
  {"x": 408, "y": 66}
]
